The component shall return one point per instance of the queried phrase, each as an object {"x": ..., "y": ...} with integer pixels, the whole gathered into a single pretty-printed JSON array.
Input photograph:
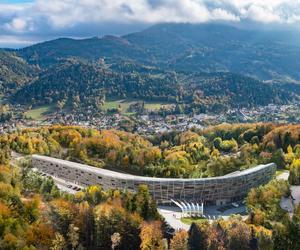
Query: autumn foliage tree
[
  {"x": 151, "y": 236},
  {"x": 294, "y": 177},
  {"x": 179, "y": 241}
]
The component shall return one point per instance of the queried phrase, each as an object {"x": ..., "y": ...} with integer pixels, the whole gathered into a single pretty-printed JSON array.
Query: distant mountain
[
  {"x": 14, "y": 71},
  {"x": 57, "y": 51},
  {"x": 211, "y": 47},
  {"x": 199, "y": 68},
  {"x": 264, "y": 55}
]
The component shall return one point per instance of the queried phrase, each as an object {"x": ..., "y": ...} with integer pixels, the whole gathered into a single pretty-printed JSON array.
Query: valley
[{"x": 179, "y": 136}]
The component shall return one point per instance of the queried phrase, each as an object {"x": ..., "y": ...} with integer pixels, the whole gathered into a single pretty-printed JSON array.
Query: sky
[{"x": 23, "y": 22}]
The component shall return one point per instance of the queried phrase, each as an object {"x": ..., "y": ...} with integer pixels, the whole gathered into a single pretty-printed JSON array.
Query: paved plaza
[{"x": 172, "y": 214}]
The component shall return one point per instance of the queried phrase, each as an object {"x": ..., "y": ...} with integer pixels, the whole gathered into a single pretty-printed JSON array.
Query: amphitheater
[{"x": 210, "y": 191}]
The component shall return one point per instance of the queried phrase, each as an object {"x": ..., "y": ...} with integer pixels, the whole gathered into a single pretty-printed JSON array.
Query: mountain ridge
[
  {"x": 223, "y": 66},
  {"x": 188, "y": 47}
]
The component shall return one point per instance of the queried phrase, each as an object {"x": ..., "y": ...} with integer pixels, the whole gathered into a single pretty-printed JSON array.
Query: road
[
  {"x": 172, "y": 216},
  {"x": 66, "y": 186},
  {"x": 63, "y": 185}
]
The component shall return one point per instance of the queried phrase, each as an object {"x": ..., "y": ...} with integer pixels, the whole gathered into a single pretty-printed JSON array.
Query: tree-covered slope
[
  {"x": 88, "y": 84},
  {"x": 14, "y": 71},
  {"x": 48, "y": 53},
  {"x": 35, "y": 214},
  {"x": 233, "y": 89},
  {"x": 183, "y": 63}
]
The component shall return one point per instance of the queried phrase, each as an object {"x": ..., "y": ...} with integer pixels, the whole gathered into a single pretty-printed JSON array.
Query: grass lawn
[
  {"x": 38, "y": 113},
  {"x": 155, "y": 105},
  {"x": 110, "y": 105},
  {"x": 115, "y": 104},
  {"x": 280, "y": 171},
  {"x": 190, "y": 220},
  {"x": 125, "y": 103}
]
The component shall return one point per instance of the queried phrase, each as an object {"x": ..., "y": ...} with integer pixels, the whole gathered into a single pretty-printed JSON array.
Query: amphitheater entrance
[{"x": 189, "y": 209}]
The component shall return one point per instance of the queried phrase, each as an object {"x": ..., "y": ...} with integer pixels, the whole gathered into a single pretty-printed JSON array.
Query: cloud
[
  {"x": 18, "y": 25},
  {"x": 52, "y": 18},
  {"x": 14, "y": 41},
  {"x": 261, "y": 14},
  {"x": 224, "y": 15}
]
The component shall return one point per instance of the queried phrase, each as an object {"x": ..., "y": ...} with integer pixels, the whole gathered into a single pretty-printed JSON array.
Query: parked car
[{"x": 235, "y": 204}]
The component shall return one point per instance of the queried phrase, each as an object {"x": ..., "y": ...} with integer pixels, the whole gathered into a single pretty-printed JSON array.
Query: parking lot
[{"x": 66, "y": 186}]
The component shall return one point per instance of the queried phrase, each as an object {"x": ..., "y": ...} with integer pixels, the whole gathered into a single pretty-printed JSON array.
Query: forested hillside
[
  {"x": 34, "y": 214},
  {"x": 198, "y": 68},
  {"x": 14, "y": 72},
  {"x": 215, "y": 151},
  {"x": 219, "y": 91},
  {"x": 89, "y": 83},
  {"x": 76, "y": 83},
  {"x": 111, "y": 47}
]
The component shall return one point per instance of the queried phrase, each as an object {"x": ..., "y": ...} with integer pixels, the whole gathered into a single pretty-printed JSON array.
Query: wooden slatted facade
[{"x": 214, "y": 191}]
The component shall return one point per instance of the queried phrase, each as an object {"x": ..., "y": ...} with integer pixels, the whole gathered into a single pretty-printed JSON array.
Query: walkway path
[
  {"x": 295, "y": 190},
  {"x": 284, "y": 175},
  {"x": 287, "y": 203},
  {"x": 172, "y": 216}
]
